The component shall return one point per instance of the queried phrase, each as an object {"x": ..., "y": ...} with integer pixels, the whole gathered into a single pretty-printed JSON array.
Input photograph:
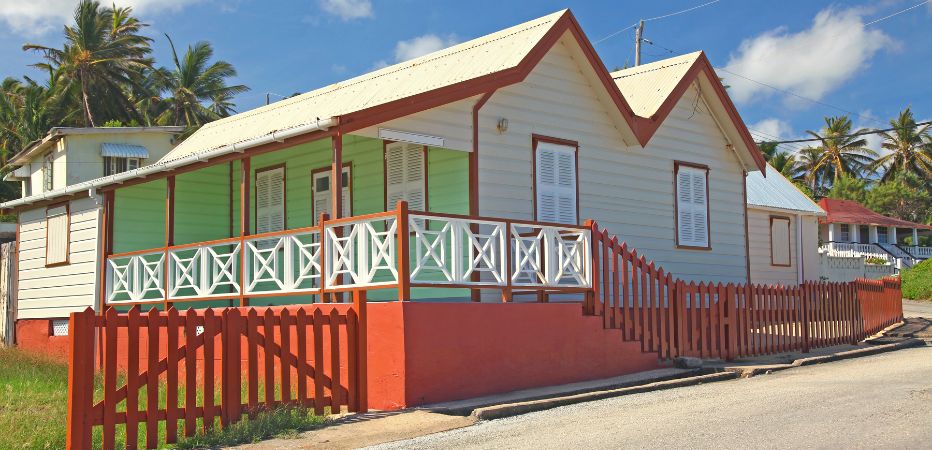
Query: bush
[
  {"x": 875, "y": 260},
  {"x": 917, "y": 281}
]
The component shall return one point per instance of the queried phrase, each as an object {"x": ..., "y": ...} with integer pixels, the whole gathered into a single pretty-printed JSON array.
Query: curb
[
  {"x": 514, "y": 409},
  {"x": 747, "y": 372}
]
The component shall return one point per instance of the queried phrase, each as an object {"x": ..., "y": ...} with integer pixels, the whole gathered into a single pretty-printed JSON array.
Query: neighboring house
[
  {"x": 67, "y": 156},
  {"x": 783, "y": 234},
  {"x": 850, "y": 229},
  {"x": 58, "y": 242},
  {"x": 501, "y": 146}
]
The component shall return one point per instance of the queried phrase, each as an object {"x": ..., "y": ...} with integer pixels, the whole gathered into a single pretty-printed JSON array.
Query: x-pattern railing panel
[
  {"x": 550, "y": 256},
  {"x": 361, "y": 253},
  {"x": 135, "y": 278},
  {"x": 457, "y": 250},
  {"x": 283, "y": 264},
  {"x": 208, "y": 271}
]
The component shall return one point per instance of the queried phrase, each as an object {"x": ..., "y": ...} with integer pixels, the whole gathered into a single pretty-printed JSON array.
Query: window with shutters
[
  {"x": 844, "y": 232},
  {"x": 321, "y": 195},
  {"x": 555, "y": 182},
  {"x": 114, "y": 164},
  {"x": 692, "y": 205},
  {"x": 270, "y": 199},
  {"x": 57, "y": 224},
  {"x": 780, "y": 241},
  {"x": 406, "y": 175}
]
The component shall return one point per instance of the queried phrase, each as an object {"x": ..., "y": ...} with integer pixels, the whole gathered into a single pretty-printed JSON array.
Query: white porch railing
[
  {"x": 921, "y": 252},
  {"x": 851, "y": 250},
  {"x": 390, "y": 249}
]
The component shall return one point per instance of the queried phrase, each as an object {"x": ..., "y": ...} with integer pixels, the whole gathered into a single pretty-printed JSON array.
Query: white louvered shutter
[
  {"x": 270, "y": 200},
  {"x": 404, "y": 175},
  {"x": 556, "y": 183},
  {"x": 692, "y": 207},
  {"x": 322, "y": 198},
  {"x": 57, "y": 245}
]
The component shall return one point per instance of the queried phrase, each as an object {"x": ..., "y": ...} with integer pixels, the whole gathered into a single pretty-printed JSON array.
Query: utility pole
[{"x": 637, "y": 43}]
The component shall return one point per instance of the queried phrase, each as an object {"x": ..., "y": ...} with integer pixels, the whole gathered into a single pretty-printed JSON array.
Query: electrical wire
[
  {"x": 683, "y": 11},
  {"x": 862, "y": 133},
  {"x": 896, "y": 13}
]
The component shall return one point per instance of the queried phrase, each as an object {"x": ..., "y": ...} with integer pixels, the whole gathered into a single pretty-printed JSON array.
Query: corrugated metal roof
[
  {"x": 489, "y": 54},
  {"x": 645, "y": 87},
  {"x": 775, "y": 191},
  {"x": 123, "y": 150}
]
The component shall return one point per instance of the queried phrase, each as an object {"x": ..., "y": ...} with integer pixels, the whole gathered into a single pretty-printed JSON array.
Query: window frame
[
  {"x": 886, "y": 235},
  {"x": 110, "y": 160},
  {"x": 842, "y": 233},
  {"x": 67, "y": 260},
  {"x": 676, "y": 206},
  {"x": 255, "y": 195},
  {"x": 536, "y": 139},
  {"x": 349, "y": 185},
  {"x": 385, "y": 144},
  {"x": 789, "y": 244},
  {"x": 48, "y": 172}
]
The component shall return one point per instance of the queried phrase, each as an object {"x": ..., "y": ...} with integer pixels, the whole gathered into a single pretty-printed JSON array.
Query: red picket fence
[
  {"x": 299, "y": 356},
  {"x": 675, "y": 318}
]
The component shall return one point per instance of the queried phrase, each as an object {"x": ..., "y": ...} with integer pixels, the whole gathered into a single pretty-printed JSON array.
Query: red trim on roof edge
[{"x": 850, "y": 211}]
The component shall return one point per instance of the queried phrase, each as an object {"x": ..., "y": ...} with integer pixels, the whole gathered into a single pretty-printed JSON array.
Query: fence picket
[
  {"x": 209, "y": 334},
  {"x": 110, "y": 377},
  {"x": 132, "y": 376},
  {"x": 190, "y": 373},
  {"x": 171, "y": 376},
  {"x": 152, "y": 378}
]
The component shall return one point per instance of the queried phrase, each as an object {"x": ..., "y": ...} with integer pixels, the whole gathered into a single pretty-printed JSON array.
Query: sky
[{"x": 788, "y": 63}]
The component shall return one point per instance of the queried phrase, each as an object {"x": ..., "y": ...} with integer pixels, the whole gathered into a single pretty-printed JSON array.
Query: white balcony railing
[
  {"x": 853, "y": 250},
  {"x": 390, "y": 249},
  {"x": 921, "y": 252}
]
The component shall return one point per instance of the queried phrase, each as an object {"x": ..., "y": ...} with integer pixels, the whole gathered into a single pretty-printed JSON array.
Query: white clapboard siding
[
  {"x": 762, "y": 271},
  {"x": 404, "y": 175},
  {"x": 627, "y": 189},
  {"x": 48, "y": 292}
]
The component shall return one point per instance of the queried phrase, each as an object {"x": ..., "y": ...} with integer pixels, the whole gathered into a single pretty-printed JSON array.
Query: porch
[{"x": 404, "y": 232}]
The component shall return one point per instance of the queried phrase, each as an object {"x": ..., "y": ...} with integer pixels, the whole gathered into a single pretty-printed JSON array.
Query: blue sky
[{"x": 827, "y": 52}]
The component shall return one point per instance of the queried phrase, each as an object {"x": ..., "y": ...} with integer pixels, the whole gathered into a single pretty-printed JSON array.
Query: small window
[
  {"x": 692, "y": 206},
  {"x": 60, "y": 327},
  {"x": 555, "y": 182},
  {"x": 406, "y": 175},
  {"x": 844, "y": 233},
  {"x": 47, "y": 175},
  {"x": 57, "y": 234},
  {"x": 321, "y": 195},
  {"x": 780, "y": 241},
  {"x": 114, "y": 165}
]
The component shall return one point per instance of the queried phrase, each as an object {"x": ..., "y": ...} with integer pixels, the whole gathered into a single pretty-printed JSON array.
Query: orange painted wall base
[{"x": 35, "y": 336}]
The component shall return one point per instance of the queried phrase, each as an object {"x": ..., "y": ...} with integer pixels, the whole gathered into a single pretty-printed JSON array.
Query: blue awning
[{"x": 123, "y": 150}]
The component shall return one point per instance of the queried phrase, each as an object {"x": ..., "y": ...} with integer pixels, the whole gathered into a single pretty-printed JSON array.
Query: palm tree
[
  {"x": 25, "y": 115},
  {"x": 908, "y": 152},
  {"x": 768, "y": 149},
  {"x": 812, "y": 171},
  {"x": 786, "y": 164},
  {"x": 198, "y": 89},
  {"x": 102, "y": 55},
  {"x": 845, "y": 154}
]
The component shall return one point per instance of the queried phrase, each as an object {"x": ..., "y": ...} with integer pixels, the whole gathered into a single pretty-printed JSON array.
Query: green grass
[
  {"x": 281, "y": 422},
  {"x": 917, "y": 281},
  {"x": 34, "y": 403}
]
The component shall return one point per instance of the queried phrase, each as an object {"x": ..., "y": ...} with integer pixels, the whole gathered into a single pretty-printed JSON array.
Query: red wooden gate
[{"x": 201, "y": 368}]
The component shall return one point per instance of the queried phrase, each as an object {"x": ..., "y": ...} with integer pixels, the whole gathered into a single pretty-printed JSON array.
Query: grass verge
[
  {"x": 34, "y": 408},
  {"x": 917, "y": 281},
  {"x": 280, "y": 422}
]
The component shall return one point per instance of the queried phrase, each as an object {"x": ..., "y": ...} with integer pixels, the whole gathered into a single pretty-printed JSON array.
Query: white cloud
[
  {"x": 771, "y": 129},
  {"x": 811, "y": 62},
  {"x": 348, "y": 9},
  {"x": 421, "y": 45},
  {"x": 36, "y": 17},
  {"x": 867, "y": 120}
]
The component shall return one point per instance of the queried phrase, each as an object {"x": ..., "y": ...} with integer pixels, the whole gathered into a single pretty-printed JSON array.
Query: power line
[
  {"x": 683, "y": 11},
  {"x": 896, "y": 13},
  {"x": 653, "y": 18},
  {"x": 862, "y": 133}
]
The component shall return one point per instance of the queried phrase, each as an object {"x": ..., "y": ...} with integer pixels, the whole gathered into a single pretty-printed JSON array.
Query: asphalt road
[
  {"x": 883, "y": 400},
  {"x": 917, "y": 309}
]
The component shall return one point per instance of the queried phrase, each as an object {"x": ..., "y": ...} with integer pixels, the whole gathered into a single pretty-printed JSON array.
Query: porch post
[
  {"x": 106, "y": 246},
  {"x": 169, "y": 229},
  {"x": 892, "y": 235},
  {"x": 872, "y": 234},
  {"x": 336, "y": 176},
  {"x": 915, "y": 237},
  {"x": 244, "y": 213},
  {"x": 855, "y": 233}
]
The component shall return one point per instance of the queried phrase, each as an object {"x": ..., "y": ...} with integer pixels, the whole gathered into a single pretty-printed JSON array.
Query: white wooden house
[{"x": 501, "y": 146}]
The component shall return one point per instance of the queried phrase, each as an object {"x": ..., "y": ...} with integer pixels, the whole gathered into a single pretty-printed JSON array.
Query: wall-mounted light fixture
[{"x": 502, "y": 125}]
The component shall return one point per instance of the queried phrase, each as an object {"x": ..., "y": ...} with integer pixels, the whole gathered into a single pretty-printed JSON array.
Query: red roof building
[{"x": 848, "y": 226}]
